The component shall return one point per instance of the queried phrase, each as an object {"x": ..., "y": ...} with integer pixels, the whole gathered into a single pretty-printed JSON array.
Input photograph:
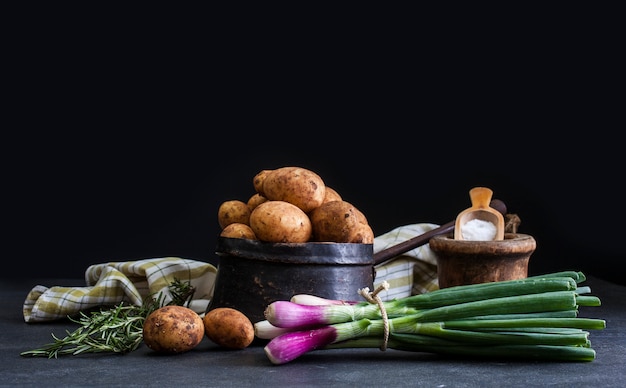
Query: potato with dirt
[
  {"x": 255, "y": 200},
  {"x": 280, "y": 222},
  {"x": 233, "y": 211},
  {"x": 331, "y": 195},
  {"x": 238, "y": 230},
  {"x": 258, "y": 180},
  {"x": 228, "y": 328},
  {"x": 173, "y": 329},
  {"x": 296, "y": 185},
  {"x": 341, "y": 222},
  {"x": 362, "y": 234}
]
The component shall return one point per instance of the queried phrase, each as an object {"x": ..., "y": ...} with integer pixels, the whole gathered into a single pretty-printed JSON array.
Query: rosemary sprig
[
  {"x": 118, "y": 329},
  {"x": 182, "y": 293}
]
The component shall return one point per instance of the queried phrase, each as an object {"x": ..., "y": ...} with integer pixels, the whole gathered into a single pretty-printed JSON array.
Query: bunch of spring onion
[{"x": 533, "y": 318}]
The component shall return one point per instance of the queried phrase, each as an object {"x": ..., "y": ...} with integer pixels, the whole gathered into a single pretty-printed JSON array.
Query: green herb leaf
[{"x": 118, "y": 329}]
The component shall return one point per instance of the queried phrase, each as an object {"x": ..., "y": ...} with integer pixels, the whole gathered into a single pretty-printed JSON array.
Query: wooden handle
[
  {"x": 480, "y": 197},
  {"x": 481, "y": 210},
  {"x": 422, "y": 239}
]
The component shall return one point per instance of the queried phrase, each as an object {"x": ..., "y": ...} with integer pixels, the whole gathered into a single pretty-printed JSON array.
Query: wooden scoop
[
  {"x": 417, "y": 241},
  {"x": 480, "y": 210}
]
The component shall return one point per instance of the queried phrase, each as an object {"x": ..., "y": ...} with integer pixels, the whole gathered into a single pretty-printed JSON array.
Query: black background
[{"x": 125, "y": 133}]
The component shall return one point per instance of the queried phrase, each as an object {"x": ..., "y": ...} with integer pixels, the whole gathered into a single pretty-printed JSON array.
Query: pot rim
[
  {"x": 512, "y": 243},
  {"x": 324, "y": 253}
]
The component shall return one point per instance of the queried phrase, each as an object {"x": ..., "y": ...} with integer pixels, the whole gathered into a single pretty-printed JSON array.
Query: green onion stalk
[{"x": 533, "y": 318}]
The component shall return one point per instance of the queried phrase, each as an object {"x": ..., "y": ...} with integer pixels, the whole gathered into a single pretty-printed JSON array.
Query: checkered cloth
[
  {"x": 116, "y": 282},
  {"x": 413, "y": 272},
  {"x": 107, "y": 284}
]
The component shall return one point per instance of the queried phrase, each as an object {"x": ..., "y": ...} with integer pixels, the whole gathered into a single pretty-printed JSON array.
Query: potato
[
  {"x": 238, "y": 230},
  {"x": 331, "y": 195},
  {"x": 280, "y": 222},
  {"x": 173, "y": 329},
  {"x": 361, "y": 216},
  {"x": 258, "y": 180},
  {"x": 338, "y": 221},
  {"x": 362, "y": 234},
  {"x": 255, "y": 200},
  {"x": 228, "y": 328},
  {"x": 233, "y": 211},
  {"x": 296, "y": 185}
]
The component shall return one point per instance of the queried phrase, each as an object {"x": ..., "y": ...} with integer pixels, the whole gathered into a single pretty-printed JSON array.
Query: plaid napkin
[
  {"x": 413, "y": 272},
  {"x": 116, "y": 282}
]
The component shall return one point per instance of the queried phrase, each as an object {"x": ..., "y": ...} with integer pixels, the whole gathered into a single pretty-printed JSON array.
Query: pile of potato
[{"x": 293, "y": 205}]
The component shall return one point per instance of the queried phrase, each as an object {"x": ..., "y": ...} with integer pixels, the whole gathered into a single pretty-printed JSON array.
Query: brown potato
[
  {"x": 258, "y": 180},
  {"x": 280, "y": 222},
  {"x": 338, "y": 221},
  {"x": 331, "y": 195},
  {"x": 228, "y": 328},
  {"x": 173, "y": 329},
  {"x": 238, "y": 230},
  {"x": 362, "y": 234},
  {"x": 361, "y": 216},
  {"x": 255, "y": 200},
  {"x": 233, "y": 211},
  {"x": 296, "y": 185}
]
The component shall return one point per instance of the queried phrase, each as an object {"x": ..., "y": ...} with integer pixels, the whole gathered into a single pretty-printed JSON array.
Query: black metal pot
[{"x": 252, "y": 274}]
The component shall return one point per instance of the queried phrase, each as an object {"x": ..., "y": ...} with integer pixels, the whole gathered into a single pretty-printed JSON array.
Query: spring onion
[
  {"x": 307, "y": 299},
  {"x": 291, "y": 315},
  {"x": 414, "y": 343},
  {"x": 533, "y": 318}
]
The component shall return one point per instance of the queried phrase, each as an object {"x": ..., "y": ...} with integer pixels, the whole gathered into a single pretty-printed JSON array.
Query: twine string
[{"x": 374, "y": 298}]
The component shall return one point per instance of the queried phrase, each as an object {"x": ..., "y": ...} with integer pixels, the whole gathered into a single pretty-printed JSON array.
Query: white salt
[{"x": 478, "y": 230}]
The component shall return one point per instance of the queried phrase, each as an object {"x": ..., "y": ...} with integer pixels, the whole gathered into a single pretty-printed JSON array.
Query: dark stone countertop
[{"x": 210, "y": 366}]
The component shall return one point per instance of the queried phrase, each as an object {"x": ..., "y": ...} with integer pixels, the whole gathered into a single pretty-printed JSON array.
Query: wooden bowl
[{"x": 462, "y": 262}]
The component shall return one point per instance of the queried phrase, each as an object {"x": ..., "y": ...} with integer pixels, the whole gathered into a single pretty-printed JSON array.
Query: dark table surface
[{"x": 207, "y": 365}]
